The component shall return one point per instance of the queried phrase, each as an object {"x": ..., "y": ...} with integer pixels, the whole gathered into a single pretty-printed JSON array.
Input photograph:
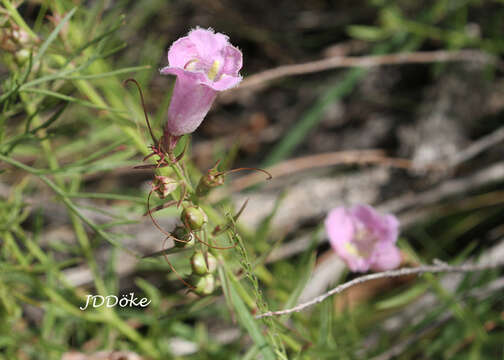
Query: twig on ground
[
  {"x": 363, "y": 61},
  {"x": 477, "y": 147},
  {"x": 102, "y": 355},
  {"x": 385, "y": 274},
  {"x": 322, "y": 160},
  {"x": 485, "y": 176}
]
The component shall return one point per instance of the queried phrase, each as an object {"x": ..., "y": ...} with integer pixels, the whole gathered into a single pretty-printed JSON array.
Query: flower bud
[
  {"x": 22, "y": 56},
  {"x": 195, "y": 217},
  {"x": 181, "y": 233},
  {"x": 164, "y": 185},
  {"x": 203, "y": 263},
  {"x": 209, "y": 181},
  {"x": 20, "y": 36},
  {"x": 204, "y": 285}
]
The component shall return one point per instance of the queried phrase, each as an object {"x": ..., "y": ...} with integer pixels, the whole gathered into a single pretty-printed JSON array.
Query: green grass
[{"x": 71, "y": 133}]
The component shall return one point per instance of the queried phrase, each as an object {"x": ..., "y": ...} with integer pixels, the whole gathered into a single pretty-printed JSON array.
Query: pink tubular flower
[
  {"x": 204, "y": 63},
  {"x": 363, "y": 238}
]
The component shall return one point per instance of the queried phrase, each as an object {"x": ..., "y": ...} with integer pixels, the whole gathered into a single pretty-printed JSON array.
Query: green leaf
[
  {"x": 305, "y": 271},
  {"x": 107, "y": 196},
  {"x": 108, "y": 74},
  {"x": 312, "y": 117},
  {"x": 403, "y": 298},
  {"x": 250, "y": 324},
  {"x": 151, "y": 291},
  {"x": 71, "y": 99},
  {"x": 47, "y": 123},
  {"x": 367, "y": 33},
  {"x": 53, "y": 35}
]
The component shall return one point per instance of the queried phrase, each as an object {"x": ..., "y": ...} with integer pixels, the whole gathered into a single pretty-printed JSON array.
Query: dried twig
[
  {"x": 478, "y": 147},
  {"x": 385, "y": 274},
  {"x": 490, "y": 174},
  {"x": 363, "y": 61},
  {"x": 322, "y": 160},
  {"x": 362, "y": 157},
  {"x": 102, "y": 355}
]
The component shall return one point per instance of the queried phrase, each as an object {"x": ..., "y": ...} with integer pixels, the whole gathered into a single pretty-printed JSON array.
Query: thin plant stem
[{"x": 442, "y": 268}]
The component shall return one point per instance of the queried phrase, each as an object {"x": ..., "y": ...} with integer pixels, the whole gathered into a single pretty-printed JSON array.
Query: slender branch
[
  {"x": 442, "y": 268},
  {"x": 288, "y": 167},
  {"x": 478, "y": 147},
  {"x": 364, "y": 61},
  {"x": 491, "y": 174}
]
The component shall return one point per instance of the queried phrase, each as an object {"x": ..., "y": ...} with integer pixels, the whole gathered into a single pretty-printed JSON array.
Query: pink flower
[
  {"x": 204, "y": 63},
  {"x": 363, "y": 238}
]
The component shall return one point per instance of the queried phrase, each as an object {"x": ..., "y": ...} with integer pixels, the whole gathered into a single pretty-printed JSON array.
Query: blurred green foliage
[{"x": 66, "y": 117}]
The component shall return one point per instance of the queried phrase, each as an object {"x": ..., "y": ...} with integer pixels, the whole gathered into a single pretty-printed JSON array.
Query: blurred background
[{"x": 397, "y": 104}]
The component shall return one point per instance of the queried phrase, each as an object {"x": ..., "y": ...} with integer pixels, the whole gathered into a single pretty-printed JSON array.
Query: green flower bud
[
  {"x": 181, "y": 233},
  {"x": 204, "y": 285},
  {"x": 211, "y": 262},
  {"x": 22, "y": 56},
  {"x": 195, "y": 217},
  {"x": 203, "y": 263},
  {"x": 209, "y": 181}
]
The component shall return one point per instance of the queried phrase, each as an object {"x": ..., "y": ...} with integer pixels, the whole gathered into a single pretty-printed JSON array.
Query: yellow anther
[
  {"x": 214, "y": 70},
  {"x": 352, "y": 249}
]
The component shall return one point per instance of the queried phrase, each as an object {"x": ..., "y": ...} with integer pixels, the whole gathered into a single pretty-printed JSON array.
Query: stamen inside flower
[
  {"x": 214, "y": 70},
  {"x": 191, "y": 65},
  {"x": 352, "y": 249},
  {"x": 363, "y": 243}
]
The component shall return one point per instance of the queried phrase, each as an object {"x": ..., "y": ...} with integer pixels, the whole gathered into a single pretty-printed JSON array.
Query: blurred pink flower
[
  {"x": 363, "y": 238},
  {"x": 204, "y": 63}
]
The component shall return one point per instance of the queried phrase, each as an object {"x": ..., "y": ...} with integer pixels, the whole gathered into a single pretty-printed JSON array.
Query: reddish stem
[
  {"x": 143, "y": 106},
  {"x": 245, "y": 168},
  {"x": 175, "y": 271}
]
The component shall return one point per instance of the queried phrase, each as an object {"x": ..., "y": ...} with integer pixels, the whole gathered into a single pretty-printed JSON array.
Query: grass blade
[
  {"x": 71, "y": 99},
  {"x": 251, "y": 325},
  {"x": 53, "y": 35},
  {"x": 312, "y": 117}
]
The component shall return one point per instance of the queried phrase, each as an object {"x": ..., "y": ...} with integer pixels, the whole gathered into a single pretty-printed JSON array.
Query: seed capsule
[
  {"x": 212, "y": 179},
  {"x": 204, "y": 285},
  {"x": 195, "y": 217},
  {"x": 181, "y": 233},
  {"x": 203, "y": 263}
]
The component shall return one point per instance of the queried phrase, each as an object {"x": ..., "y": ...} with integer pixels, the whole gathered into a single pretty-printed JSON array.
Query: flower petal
[
  {"x": 233, "y": 61},
  {"x": 182, "y": 52},
  {"x": 208, "y": 44},
  {"x": 190, "y": 102},
  {"x": 225, "y": 82},
  {"x": 193, "y": 76},
  {"x": 386, "y": 257},
  {"x": 384, "y": 227},
  {"x": 391, "y": 228},
  {"x": 340, "y": 230}
]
